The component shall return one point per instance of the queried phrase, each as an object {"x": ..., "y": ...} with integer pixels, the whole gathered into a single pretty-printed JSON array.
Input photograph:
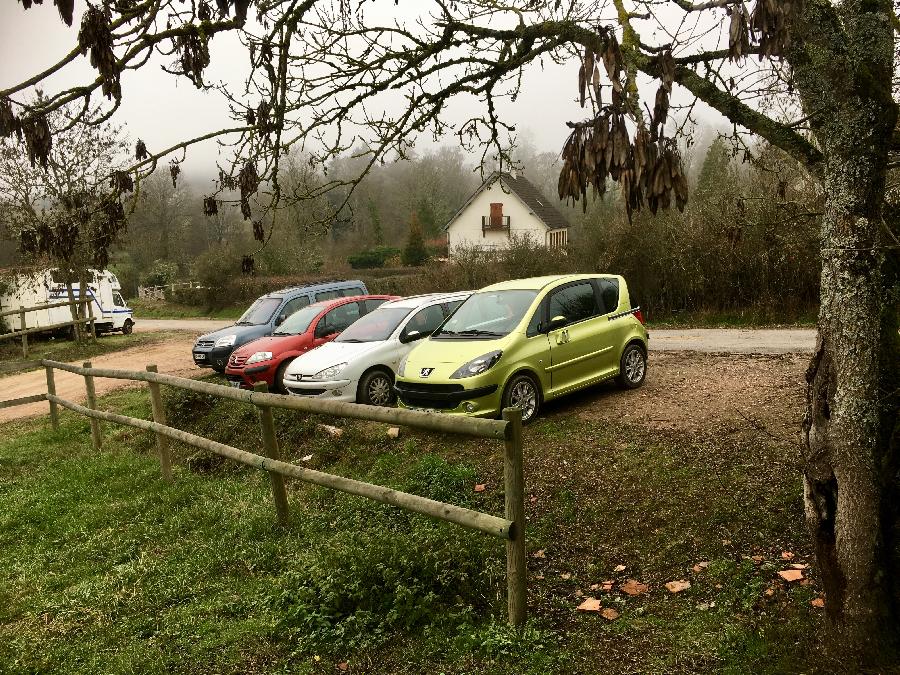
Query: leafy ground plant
[{"x": 104, "y": 567}]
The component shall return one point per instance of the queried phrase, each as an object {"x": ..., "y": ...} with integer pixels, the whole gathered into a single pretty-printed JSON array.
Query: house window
[{"x": 558, "y": 238}]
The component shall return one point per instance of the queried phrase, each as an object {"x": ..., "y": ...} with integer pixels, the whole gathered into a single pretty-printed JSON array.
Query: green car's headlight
[{"x": 478, "y": 365}]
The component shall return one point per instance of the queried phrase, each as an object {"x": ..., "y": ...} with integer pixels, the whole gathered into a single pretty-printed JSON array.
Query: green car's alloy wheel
[
  {"x": 376, "y": 388},
  {"x": 522, "y": 392},
  {"x": 633, "y": 367}
]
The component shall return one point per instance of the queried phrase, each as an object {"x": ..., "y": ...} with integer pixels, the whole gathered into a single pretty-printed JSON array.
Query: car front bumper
[
  {"x": 331, "y": 390},
  {"x": 245, "y": 377},
  {"x": 216, "y": 357},
  {"x": 454, "y": 399}
]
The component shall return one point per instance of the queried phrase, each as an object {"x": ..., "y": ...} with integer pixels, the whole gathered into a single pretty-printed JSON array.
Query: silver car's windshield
[
  {"x": 374, "y": 326},
  {"x": 488, "y": 314}
]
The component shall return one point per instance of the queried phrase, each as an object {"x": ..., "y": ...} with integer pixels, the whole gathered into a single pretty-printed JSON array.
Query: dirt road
[{"x": 174, "y": 356}]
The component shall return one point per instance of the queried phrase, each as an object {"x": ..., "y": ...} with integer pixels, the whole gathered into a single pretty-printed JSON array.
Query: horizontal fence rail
[
  {"x": 495, "y": 429},
  {"x": 511, "y": 528}
]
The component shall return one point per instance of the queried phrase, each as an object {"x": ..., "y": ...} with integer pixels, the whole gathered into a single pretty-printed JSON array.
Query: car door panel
[{"x": 579, "y": 350}]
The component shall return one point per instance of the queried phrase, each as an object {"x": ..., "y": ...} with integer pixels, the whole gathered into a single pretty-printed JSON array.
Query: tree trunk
[{"x": 852, "y": 437}]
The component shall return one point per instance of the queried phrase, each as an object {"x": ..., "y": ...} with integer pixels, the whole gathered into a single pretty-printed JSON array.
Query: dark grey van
[{"x": 263, "y": 316}]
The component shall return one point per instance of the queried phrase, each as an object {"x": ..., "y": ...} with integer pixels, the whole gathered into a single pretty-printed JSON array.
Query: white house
[{"x": 506, "y": 206}]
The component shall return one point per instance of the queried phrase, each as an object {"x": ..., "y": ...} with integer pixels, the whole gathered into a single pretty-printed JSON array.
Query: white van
[{"x": 41, "y": 288}]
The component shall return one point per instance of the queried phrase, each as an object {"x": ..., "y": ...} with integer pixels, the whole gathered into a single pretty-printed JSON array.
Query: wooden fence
[
  {"x": 87, "y": 318},
  {"x": 510, "y": 528}
]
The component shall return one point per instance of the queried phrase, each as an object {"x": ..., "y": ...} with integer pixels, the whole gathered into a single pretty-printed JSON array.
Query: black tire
[
  {"x": 517, "y": 390},
  {"x": 632, "y": 367},
  {"x": 372, "y": 388},
  {"x": 278, "y": 382},
  {"x": 127, "y": 327}
]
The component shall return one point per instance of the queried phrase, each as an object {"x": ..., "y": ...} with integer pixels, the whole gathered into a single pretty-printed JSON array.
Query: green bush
[
  {"x": 160, "y": 274},
  {"x": 415, "y": 253},
  {"x": 372, "y": 258}
]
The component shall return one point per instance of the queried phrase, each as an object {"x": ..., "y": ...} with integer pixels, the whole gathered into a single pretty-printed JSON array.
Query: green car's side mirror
[{"x": 557, "y": 322}]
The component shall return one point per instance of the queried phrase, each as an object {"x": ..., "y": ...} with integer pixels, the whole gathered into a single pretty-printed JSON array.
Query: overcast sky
[{"x": 162, "y": 109}]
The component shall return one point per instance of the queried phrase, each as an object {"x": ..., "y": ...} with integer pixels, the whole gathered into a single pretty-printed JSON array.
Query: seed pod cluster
[
  {"x": 174, "y": 170},
  {"x": 96, "y": 36},
  {"x": 122, "y": 181},
  {"x": 259, "y": 232},
  {"x": 9, "y": 123},
  {"x": 648, "y": 170},
  {"x": 226, "y": 182},
  {"x": 248, "y": 182},
  {"x": 66, "y": 8},
  {"x": 210, "y": 206},
  {"x": 770, "y": 24},
  {"x": 38, "y": 139},
  {"x": 193, "y": 49},
  {"x": 247, "y": 264},
  {"x": 140, "y": 150}
]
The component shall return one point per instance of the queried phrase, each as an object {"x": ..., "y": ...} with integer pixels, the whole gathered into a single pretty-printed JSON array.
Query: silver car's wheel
[
  {"x": 633, "y": 368},
  {"x": 377, "y": 389},
  {"x": 523, "y": 393}
]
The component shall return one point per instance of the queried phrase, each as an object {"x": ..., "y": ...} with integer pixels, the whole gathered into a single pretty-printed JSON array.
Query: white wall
[{"x": 466, "y": 229}]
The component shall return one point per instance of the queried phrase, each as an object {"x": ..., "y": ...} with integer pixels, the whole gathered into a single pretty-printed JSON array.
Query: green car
[{"x": 522, "y": 342}]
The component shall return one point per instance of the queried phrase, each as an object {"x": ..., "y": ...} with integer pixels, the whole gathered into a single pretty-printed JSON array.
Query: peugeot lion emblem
[{"x": 426, "y": 372}]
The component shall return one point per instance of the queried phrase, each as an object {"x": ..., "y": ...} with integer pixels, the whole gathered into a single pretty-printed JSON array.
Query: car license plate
[
  {"x": 199, "y": 357},
  {"x": 234, "y": 384},
  {"x": 427, "y": 410}
]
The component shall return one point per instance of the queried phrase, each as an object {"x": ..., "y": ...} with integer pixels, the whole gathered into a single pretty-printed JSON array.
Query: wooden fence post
[
  {"x": 514, "y": 491},
  {"x": 159, "y": 416},
  {"x": 92, "y": 404},
  {"x": 24, "y": 335},
  {"x": 51, "y": 389},
  {"x": 270, "y": 443}
]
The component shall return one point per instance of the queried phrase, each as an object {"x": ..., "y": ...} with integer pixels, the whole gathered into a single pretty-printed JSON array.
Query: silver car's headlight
[
  {"x": 226, "y": 341},
  {"x": 477, "y": 366},
  {"x": 329, "y": 373},
  {"x": 256, "y": 357}
]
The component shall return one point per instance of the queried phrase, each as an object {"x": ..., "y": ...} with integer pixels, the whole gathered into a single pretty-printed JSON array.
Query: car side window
[
  {"x": 294, "y": 305},
  {"x": 576, "y": 302},
  {"x": 609, "y": 295},
  {"x": 450, "y": 307},
  {"x": 327, "y": 295},
  {"x": 537, "y": 321},
  {"x": 373, "y": 304},
  {"x": 117, "y": 301},
  {"x": 338, "y": 319},
  {"x": 424, "y": 322},
  {"x": 351, "y": 292}
]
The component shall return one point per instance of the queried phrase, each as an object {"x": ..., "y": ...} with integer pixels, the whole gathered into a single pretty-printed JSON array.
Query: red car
[{"x": 265, "y": 359}]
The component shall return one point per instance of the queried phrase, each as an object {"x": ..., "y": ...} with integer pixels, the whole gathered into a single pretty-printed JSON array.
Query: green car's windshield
[
  {"x": 299, "y": 321},
  {"x": 260, "y": 312},
  {"x": 486, "y": 315}
]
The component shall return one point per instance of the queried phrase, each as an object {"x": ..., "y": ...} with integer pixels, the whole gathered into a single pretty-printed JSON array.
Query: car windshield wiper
[
  {"x": 475, "y": 331},
  {"x": 351, "y": 340},
  {"x": 245, "y": 323}
]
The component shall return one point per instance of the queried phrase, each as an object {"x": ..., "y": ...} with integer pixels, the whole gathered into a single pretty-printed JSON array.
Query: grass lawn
[
  {"x": 747, "y": 318},
  {"x": 105, "y": 568},
  {"x": 153, "y": 309},
  {"x": 61, "y": 349}
]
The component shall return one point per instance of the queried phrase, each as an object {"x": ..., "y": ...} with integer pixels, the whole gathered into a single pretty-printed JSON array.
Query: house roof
[{"x": 525, "y": 190}]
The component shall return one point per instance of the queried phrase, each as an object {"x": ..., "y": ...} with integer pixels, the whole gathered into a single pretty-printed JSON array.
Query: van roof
[{"x": 322, "y": 285}]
